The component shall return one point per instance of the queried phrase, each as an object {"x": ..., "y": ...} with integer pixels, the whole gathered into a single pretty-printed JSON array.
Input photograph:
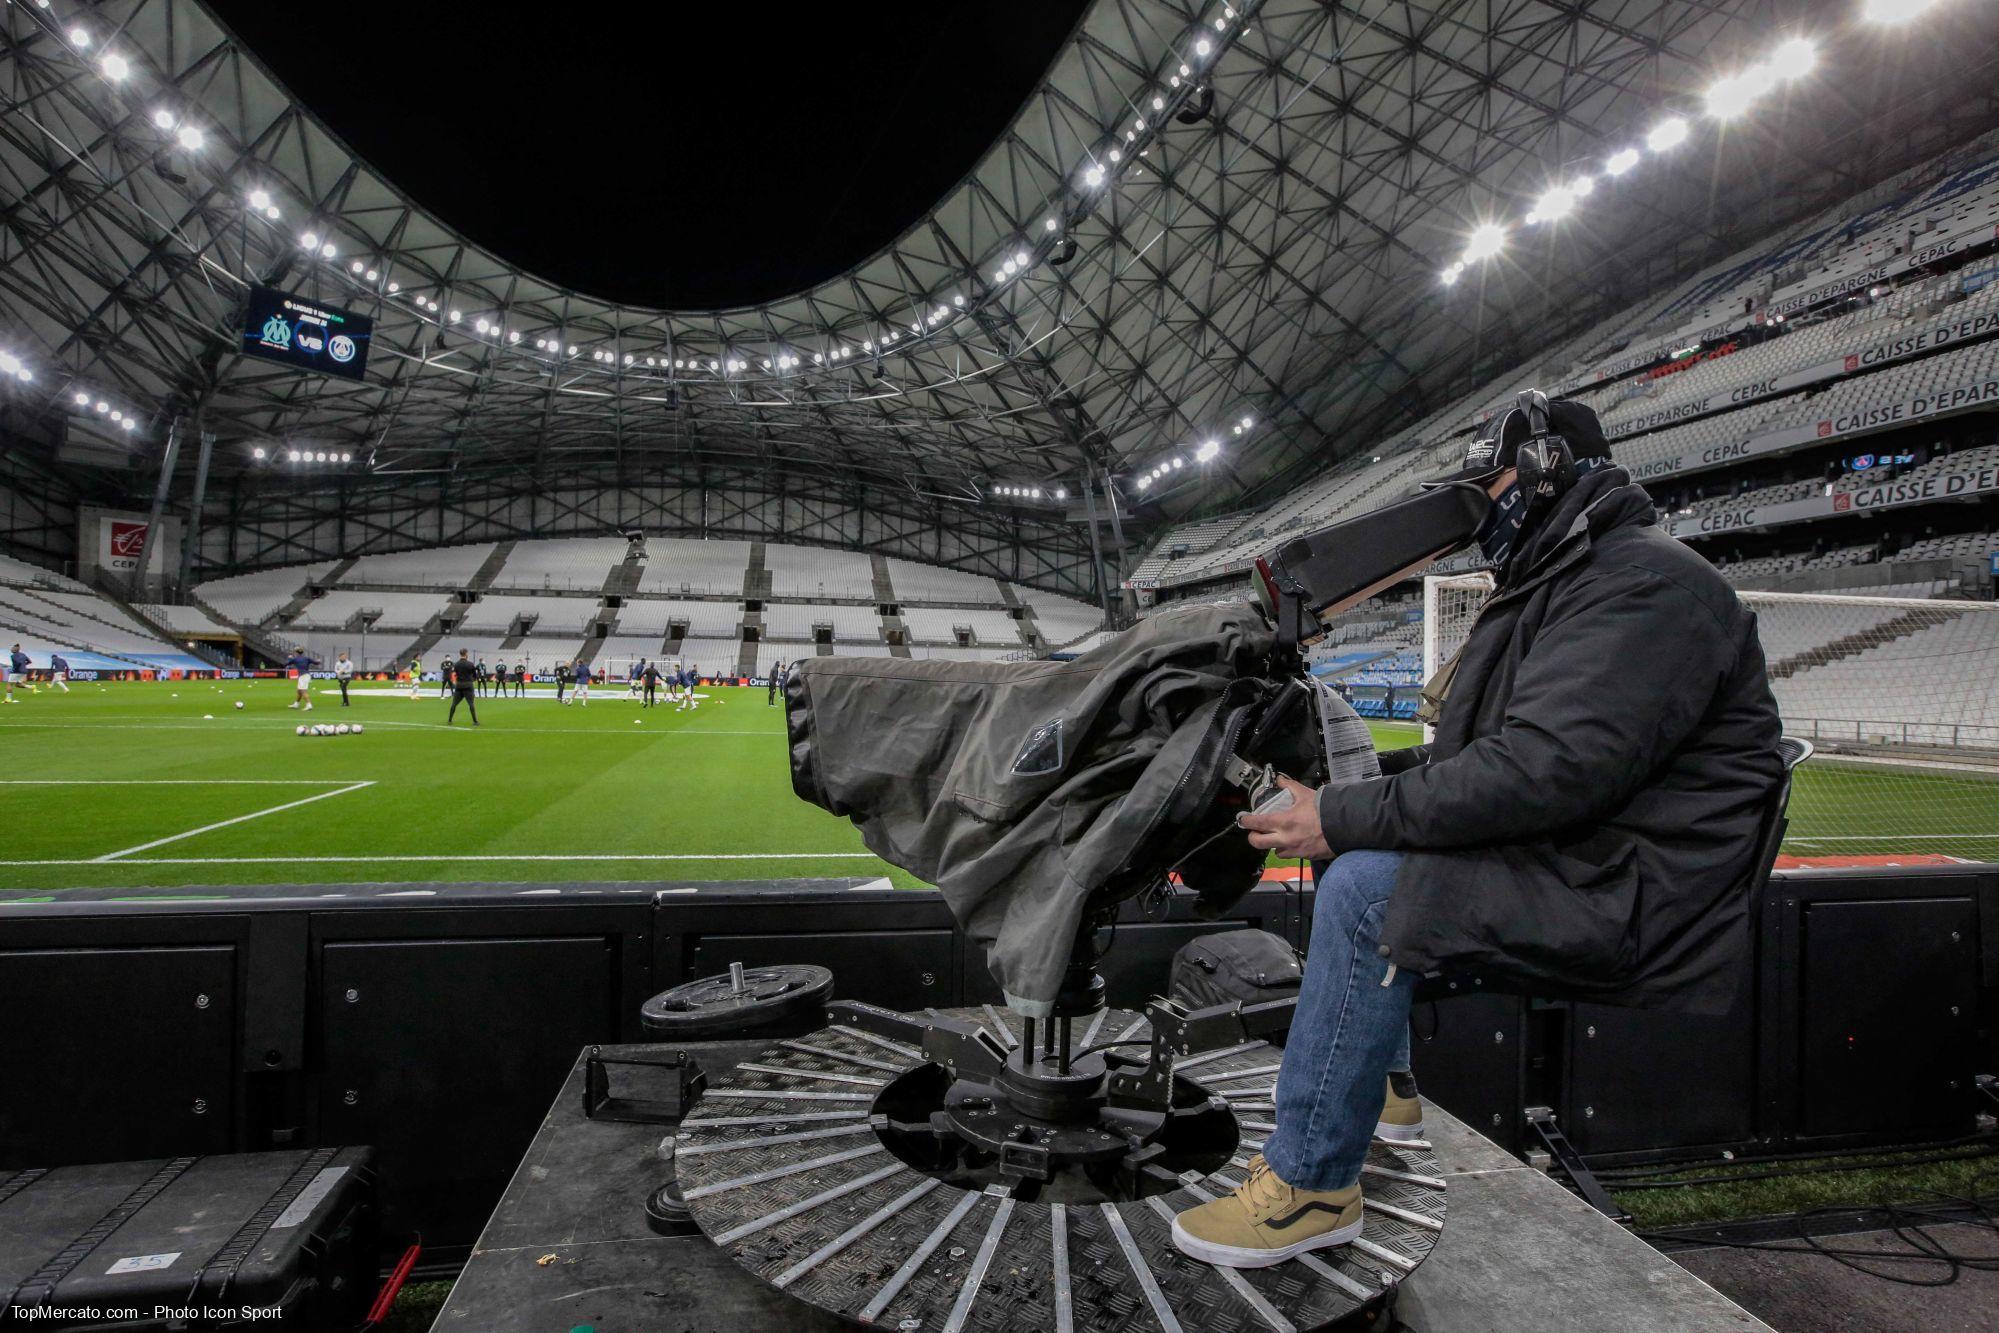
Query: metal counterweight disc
[{"x": 783, "y": 1169}]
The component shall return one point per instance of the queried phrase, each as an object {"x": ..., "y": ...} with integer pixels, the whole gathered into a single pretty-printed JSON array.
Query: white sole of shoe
[
  {"x": 1235, "y": 1256},
  {"x": 1398, "y": 1133}
]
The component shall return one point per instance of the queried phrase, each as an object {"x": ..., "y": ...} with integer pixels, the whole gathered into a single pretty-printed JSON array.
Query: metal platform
[
  {"x": 569, "y": 1245},
  {"x": 783, "y": 1167}
]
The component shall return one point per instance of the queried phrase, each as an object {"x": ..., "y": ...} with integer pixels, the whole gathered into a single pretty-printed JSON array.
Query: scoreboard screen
[{"x": 306, "y": 335}]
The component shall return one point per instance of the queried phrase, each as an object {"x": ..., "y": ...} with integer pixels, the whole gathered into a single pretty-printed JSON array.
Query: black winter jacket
[{"x": 1584, "y": 820}]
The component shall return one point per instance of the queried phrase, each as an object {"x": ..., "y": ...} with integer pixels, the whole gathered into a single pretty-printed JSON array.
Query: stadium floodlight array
[
  {"x": 1727, "y": 98},
  {"x": 304, "y": 456},
  {"x": 1011, "y": 491},
  {"x": 15, "y": 368},
  {"x": 84, "y": 401},
  {"x": 1180, "y": 78},
  {"x": 1207, "y": 451}
]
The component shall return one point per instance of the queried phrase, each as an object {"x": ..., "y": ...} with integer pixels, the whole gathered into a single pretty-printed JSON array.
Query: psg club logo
[{"x": 341, "y": 348}]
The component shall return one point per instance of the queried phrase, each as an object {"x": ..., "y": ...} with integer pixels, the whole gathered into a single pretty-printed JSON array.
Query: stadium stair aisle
[
  {"x": 1852, "y": 645},
  {"x": 303, "y": 597},
  {"x": 756, "y": 578},
  {"x": 482, "y": 578},
  {"x": 884, "y": 586}
]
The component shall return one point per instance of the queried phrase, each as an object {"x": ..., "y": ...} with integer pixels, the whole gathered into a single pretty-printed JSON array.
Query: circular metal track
[{"x": 782, "y": 1168}]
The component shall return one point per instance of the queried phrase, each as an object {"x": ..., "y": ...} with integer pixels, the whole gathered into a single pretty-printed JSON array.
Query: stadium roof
[{"x": 1206, "y": 214}]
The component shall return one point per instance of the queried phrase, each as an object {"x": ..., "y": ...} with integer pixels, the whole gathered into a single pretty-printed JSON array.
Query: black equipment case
[{"x": 250, "y": 1240}]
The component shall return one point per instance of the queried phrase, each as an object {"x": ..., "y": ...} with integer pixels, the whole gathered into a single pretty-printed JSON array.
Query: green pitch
[{"x": 132, "y": 786}]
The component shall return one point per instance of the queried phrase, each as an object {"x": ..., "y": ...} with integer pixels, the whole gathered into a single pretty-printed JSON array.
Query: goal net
[{"x": 1897, "y": 694}]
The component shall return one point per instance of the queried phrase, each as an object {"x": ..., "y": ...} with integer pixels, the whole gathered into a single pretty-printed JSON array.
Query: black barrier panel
[
  {"x": 117, "y": 1053},
  {"x": 1894, "y": 1055},
  {"x": 443, "y": 1032},
  {"x": 1469, "y": 1053},
  {"x": 1646, "y": 1080},
  {"x": 892, "y": 947}
]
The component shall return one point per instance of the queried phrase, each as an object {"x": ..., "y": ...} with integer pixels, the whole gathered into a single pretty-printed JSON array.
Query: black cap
[{"x": 1493, "y": 453}]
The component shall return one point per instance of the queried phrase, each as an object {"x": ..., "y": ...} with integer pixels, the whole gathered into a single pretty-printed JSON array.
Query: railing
[{"x": 1867, "y": 731}]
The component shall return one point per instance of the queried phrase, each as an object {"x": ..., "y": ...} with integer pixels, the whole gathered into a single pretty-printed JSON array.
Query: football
[
  {"x": 301, "y": 731},
  {"x": 239, "y": 703},
  {"x": 340, "y": 730},
  {"x": 357, "y": 728}
]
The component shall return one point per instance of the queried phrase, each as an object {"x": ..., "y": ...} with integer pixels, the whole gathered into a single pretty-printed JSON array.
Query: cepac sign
[{"x": 124, "y": 542}]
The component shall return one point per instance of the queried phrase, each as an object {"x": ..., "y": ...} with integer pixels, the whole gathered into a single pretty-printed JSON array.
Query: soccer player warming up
[
  {"x": 343, "y": 671},
  {"x": 59, "y": 672},
  {"x": 416, "y": 675},
  {"x": 17, "y": 671},
  {"x": 301, "y": 669},
  {"x": 464, "y": 678},
  {"x": 1583, "y": 823},
  {"x": 580, "y": 674}
]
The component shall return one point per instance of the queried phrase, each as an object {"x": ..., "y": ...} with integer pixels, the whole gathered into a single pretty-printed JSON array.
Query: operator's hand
[{"x": 1293, "y": 833}]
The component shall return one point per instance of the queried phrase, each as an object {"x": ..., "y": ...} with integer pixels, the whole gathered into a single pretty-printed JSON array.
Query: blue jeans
[{"x": 1350, "y": 1031}]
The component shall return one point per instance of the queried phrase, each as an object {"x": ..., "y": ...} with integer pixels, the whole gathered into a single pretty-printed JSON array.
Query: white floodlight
[
  {"x": 1487, "y": 240},
  {"x": 191, "y": 138},
  {"x": 1668, "y": 133},
  {"x": 1557, "y": 203},
  {"x": 163, "y": 118},
  {"x": 1894, "y": 12},
  {"x": 1208, "y": 451},
  {"x": 1794, "y": 58},
  {"x": 260, "y": 200},
  {"x": 115, "y": 67}
]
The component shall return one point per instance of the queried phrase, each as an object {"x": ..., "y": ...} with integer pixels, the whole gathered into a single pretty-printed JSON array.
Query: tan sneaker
[
  {"x": 1401, "y": 1111},
  {"x": 1264, "y": 1222}
]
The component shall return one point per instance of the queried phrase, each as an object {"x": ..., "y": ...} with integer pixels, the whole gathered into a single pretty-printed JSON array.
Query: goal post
[
  {"x": 1899, "y": 695},
  {"x": 1450, "y": 604}
]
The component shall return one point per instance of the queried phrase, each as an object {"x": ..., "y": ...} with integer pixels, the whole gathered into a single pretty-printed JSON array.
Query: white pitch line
[
  {"x": 385, "y": 722},
  {"x": 174, "y": 782},
  {"x": 1898, "y": 837},
  {"x": 239, "y": 819},
  {"x": 442, "y": 856}
]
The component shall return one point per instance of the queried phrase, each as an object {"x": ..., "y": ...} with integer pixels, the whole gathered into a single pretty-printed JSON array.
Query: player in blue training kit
[
  {"x": 301, "y": 666},
  {"x": 59, "y": 672},
  {"x": 17, "y": 671}
]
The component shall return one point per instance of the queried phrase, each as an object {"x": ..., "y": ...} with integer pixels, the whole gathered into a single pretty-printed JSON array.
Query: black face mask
[{"x": 1501, "y": 529}]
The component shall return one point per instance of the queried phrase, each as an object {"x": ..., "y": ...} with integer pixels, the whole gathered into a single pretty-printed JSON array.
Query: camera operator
[{"x": 1582, "y": 824}]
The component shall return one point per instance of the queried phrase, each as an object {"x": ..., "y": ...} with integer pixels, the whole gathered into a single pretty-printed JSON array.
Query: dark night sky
[{"x": 666, "y": 154}]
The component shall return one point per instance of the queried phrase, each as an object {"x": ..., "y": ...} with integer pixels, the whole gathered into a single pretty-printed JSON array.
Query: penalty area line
[{"x": 239, "y": 819}]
